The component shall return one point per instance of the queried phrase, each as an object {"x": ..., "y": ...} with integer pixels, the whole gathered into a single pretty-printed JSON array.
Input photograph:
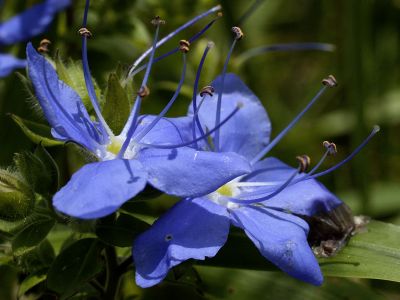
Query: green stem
[{"x": 112, "y": 276}]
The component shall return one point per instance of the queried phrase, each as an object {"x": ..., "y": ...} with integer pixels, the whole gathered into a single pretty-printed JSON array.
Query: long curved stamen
[
  {"x": 374, "y": 131},
  {"x": 196, "y": 120},
  {"x": 197, "y": 139},
  {"x": 242, "y": 58},
  {"x": 133, "y": 117},
  {"x": 172, "y": 34},
  {"x": 146, "y": 130},
  {"x": 173, "y": 51},
  {"x": 277, "y": 139},
  {"x": 269, "y": 196},
  {"x": 238, "y": 35},
  {"x": 107, "y": 132}
]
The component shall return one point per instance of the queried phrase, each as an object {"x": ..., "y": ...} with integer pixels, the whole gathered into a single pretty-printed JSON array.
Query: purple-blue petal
[
  {"x": 99, "y": 189},
  {"x": 282, "y": 239},
  {"x": 166, "y": 131},
  {"x": 61, "y": 105},
  {"x": 192, "y": 229},
  {"x": 307, "y": 197},
  {"x": 31, "y": 22},
  {"x": 186, "y": 172},
  {"x": 9, "y": 63},
  {"x": 248, "y": 132}
]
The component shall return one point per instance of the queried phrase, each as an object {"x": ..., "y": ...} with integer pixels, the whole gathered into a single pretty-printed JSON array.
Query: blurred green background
[{"x": 365, "y": 62}]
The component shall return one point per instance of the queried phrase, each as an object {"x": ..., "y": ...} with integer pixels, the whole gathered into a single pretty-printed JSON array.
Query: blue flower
[
  {"x": 266, "y": 203},
  {"x": 127, "y": 161},
  {"x": 24, "y": 26}
]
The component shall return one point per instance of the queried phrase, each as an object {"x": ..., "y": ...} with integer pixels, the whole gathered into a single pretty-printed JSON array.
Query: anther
[
  {"x": 330, "y": 81},
  {"x": 209, "y": 90},
  {"x": 85, "y": 32},
  {"x": 220, "y": 14},
  {"x": 184, "y": 46},
  {"x": 157, "y": 21},
  {"x": 210, "y": 44},
  {"x": 44, "y": 46},
  {"x": 304, "y": 161},
  {"x": 237, "y": 32},
  {"x": 331, "y": 147},
  {"x": 144, "y": 91}
]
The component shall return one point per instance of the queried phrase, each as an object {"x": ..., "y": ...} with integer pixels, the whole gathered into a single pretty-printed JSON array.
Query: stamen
[
  {"x": 184, "y": 46},
  {"x": 330, "y": 81},
  {"x": 196, "y": 120},
  {"x": 85, "y": 32},
  {"x": 131, "y": 123},
  {"x": 374, "y": 131},
  {"x": 157, "y": 21},
  {"x": 330, "y": 147},
  {"x": 238, "y": 32},
  {"x": 88, "y": 79},
  {"x": 167, "y": 107},
  {"x": 143, "y": 92},
  {"x": 133, "y": 72},
  {"x": 282, "y": 134},
  {"x": 207, "y": 90},
  {"x": 197, "y": 139},
  {"x": 172, "y": 34},
  {"x": 238, "y": 35},
  {"x": 274, "y": 193},
  {"x": 44, "y": 46},
  {"x": 304, "y": 161}
]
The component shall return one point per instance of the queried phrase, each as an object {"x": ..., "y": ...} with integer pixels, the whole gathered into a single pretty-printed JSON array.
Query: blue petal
[
  {"x": 31, "y": 22},
  {"x": 100, "y": 188},
  {"x": 282, "y": 239},
  {"x": 9, "y": 63},
  {"x": 166, "y": 131},
  {"x": 186, "y": 172},
  {"x": 307, "y": 197},
  {"x": 61, "y": 105},
  {"x": 195, "y": 229},
  {"x": 247, "y": 133}
]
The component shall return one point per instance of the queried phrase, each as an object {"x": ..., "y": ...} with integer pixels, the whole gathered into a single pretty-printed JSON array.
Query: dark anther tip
[
  {"x": 331, "y": 147},
  {"x": 330, "y": 81},
  {"x": 157, "y": 21},
  {"x": 237, "y": 32},
  {"x": 304, "y": 162},
  {"x": 184, "y": 46},
  {"x": 44, "y": 46},
  {"x": 85, "y": 32},
  {"x": 207, "y": 90},
  {"x": 144, "y": 91}
]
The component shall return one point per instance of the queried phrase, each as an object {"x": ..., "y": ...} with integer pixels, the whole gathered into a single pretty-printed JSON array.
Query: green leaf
[
  {"x": 32, "y": 234},
  {"x": 16, "y": 197},
  {"x": 76, "y": 265},
  {"x": 72, "y": 74},
  {"x": 36, "y": 132},
  {"x": 39, "y": 170},
  {"x": 31, "y": 281},
  {"x": 120, "y": 231},
  {"x": 116, "y": 107},
  {"x": 374, "y": 254}
]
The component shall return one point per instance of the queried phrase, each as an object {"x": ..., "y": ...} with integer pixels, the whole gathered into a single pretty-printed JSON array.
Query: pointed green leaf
[
  {"x": 36, "y": 132},
  {"x": 39, "y": 170},
  {"x": 75, "y": 266},
  {"x": 116, "y": 107},
  {"x": 16, "y": 197},
  {"x": 32, "y": 234},
  {"x": 120, "y": 231},
  {"x": 31, "y": 281}
]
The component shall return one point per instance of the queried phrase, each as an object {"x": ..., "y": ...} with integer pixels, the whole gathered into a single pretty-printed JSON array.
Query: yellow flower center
[
  {"x": 115, "y": 146},
  {"x": 225, "y": 190}
]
